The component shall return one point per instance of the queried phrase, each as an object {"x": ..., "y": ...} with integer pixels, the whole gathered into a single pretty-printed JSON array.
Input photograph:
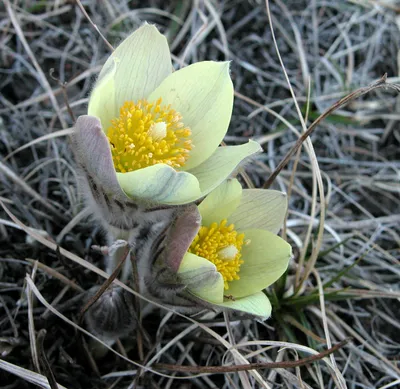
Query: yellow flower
[
  {"x": 236, "y": 253},
  {"x": 156, "y": 129}
]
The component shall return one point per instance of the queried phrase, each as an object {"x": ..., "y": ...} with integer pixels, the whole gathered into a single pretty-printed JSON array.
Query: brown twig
[
  {"x": 250, "y": 366},
  {"x": 79, "y": 4},
  {"x": 381, "y": 83},
  {"x": 63, "y": 86}
]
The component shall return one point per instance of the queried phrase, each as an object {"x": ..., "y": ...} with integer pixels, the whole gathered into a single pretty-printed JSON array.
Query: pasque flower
[
  {"x": 236, "y": 253},
  {"x": 153, "y": 134}
]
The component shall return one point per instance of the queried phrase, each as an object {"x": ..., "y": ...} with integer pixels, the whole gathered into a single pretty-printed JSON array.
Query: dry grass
[{"x": 344, "y": 213}]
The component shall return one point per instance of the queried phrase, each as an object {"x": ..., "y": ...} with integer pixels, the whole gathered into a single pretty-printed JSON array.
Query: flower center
[
  {"x": 145, "y": 134},
  {"x": 221, "y": 245}
]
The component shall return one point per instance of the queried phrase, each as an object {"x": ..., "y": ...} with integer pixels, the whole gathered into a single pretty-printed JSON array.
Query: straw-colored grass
[{"x": 291, "y": 61}]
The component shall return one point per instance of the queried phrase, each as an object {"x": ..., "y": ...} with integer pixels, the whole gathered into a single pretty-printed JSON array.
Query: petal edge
[
  {"x": 256, "y": 304},
  {"x": 203, "y": 94},
  {"x": 265, "y": 258},
  {"x": 160, "y": 184},
  {"x": 202, "y": 278},
  {"x": 92, "y": 150},
  {"x": 260, "y": 208},
  {"x": 222, "y": 164},
  {"x": 221, "y": 202}
]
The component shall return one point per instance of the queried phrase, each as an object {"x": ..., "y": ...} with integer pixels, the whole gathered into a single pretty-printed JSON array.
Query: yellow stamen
[
  {"x": 145, "y": 134},
  {"x": 221, "y": 245}
]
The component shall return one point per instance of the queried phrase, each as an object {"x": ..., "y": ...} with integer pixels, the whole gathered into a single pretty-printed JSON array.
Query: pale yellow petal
[
  {"x": 256, "y": 304},
  {"x": 143, "y": 62},
  {"x": 203, "y": 94},
  {"x": 138, "y": 65},
  {"x": 266, "y": 257},
  {"x": 222, "y": 164},
  {"x": 221, "y": 202},
  {"x": 160, "y": 184},
  {"x": 260, "y": 208},
  {"x": 201, "y": 278},
  {"x": 102, "y": 99}
]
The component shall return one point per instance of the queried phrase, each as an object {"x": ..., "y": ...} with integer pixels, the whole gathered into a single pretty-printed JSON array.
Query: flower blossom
[
  {"x": 236, "y": 252},
  {"x": 152, "y": 134}
]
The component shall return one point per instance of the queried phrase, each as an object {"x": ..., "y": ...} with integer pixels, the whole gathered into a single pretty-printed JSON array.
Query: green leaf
[{"x": 343, "y": 272}]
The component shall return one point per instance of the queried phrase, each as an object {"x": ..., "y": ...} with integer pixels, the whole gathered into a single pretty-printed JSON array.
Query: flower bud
[{"x": 112, "y": 316}]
